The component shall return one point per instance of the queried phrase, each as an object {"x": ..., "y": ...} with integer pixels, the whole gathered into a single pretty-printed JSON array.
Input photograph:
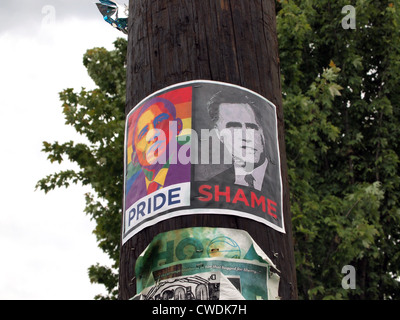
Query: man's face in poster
[
  {"x": 152, "y": 134},
  {"x": 241, "y": 134}
]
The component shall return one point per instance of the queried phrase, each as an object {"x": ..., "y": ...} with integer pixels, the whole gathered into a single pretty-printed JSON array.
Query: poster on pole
[
  {"x": 203, "y": 263},
  {"x": 202, "y": 147}
]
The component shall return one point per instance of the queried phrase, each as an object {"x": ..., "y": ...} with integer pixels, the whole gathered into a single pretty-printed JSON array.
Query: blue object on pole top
[
  {"x": 114, "y": 14},
  {"x": 111, "y": 3}
]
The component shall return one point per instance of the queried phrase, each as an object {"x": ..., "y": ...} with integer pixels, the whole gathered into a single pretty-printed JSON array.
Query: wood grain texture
[{"x": 234, "y": 41}]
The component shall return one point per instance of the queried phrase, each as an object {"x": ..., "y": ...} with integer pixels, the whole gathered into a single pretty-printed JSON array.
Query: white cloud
[{"x": 46, "y": 241}]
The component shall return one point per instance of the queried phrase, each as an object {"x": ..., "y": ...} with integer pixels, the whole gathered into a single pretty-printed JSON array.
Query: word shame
[{"x": 216, "y": 193}]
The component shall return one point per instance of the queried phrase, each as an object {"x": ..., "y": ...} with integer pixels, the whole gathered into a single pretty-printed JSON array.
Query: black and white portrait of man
[
  {"x": 237, "y": 125},
  {"x": 243, "y": 130}
]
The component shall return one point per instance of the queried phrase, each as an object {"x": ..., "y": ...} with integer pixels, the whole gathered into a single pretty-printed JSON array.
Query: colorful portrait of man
[{"x": 155, "y": 134}]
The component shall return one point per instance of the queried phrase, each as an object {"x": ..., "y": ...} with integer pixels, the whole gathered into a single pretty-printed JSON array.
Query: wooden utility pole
[{"x": 233, "y": 41}]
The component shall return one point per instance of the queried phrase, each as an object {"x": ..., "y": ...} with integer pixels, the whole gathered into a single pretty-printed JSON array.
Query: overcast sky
[{"x": 46, "y": 241}]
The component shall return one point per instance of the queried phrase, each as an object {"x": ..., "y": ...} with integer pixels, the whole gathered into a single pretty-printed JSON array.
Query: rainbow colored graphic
[{"x": 178, "y": 99}]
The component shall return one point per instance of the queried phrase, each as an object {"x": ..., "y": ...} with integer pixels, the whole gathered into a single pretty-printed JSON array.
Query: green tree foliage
[
  {"x": 341, "y": 98},
  {"x": 99, "y": 116}
]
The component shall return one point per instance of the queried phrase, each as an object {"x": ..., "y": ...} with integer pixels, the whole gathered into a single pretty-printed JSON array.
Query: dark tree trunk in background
[{"x": 172, "y": 41}]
